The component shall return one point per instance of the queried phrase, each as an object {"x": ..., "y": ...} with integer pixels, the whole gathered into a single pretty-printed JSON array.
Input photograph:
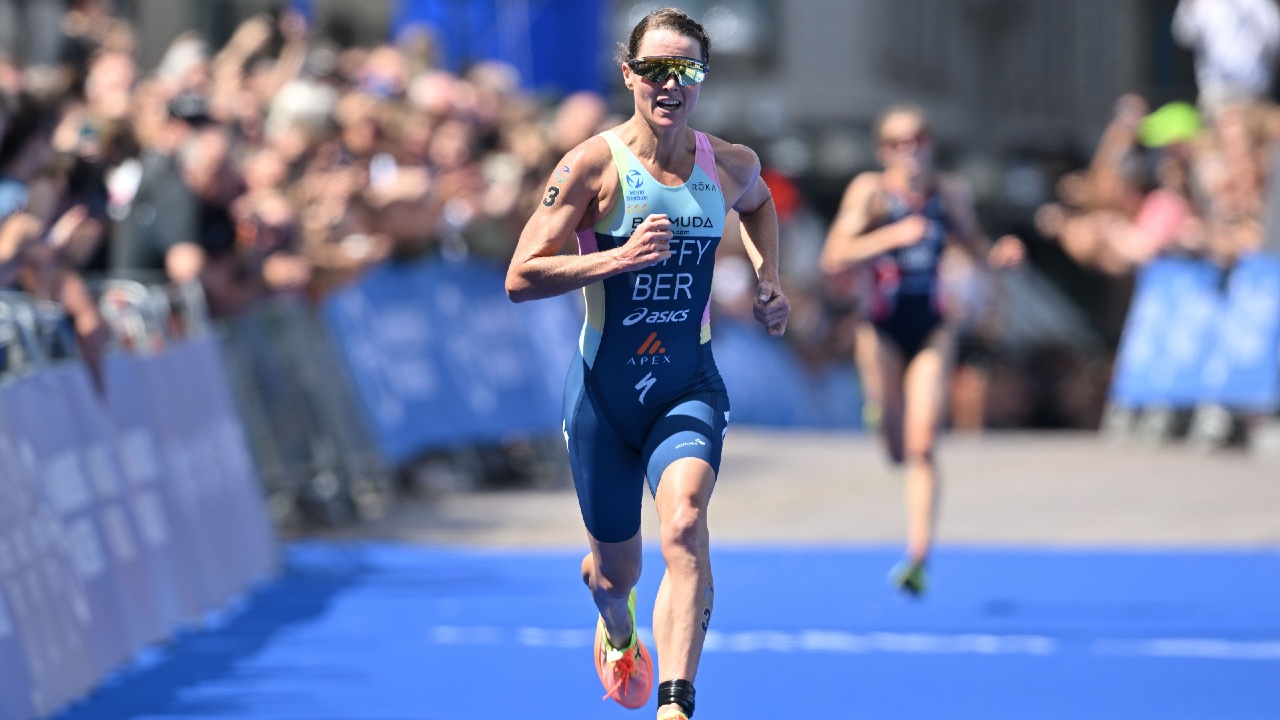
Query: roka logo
[{"x": 655, "y": 318}]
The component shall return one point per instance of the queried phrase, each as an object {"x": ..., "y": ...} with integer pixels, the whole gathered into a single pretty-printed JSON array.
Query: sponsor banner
[
  {"x": 193, "y": 452},
  {"x": 136, "y": 562},
  {"x": 439, "y": 356},
  {"x": 86, "y": 491},
  {"x": 168, "y": 394},
  {"x": 57, "y": 558},
  {"x": 15, "y": 681},
  {"x": 1168, "y": 335},
  {"x": 164, "y": 526},
  {"x": 1243, "y": 369},
  {"x": 248, "y": 529},
  {"x": 768, "y": 386},
  {"x": 1196, "y": 335},
  {"x": 19, "y": 647},
  {"x": 121, "y": 518},
  {"x": 238, "y": 533}
]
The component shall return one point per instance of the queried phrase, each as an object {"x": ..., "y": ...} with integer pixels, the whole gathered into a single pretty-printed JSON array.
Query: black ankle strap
[{"x": 679, "y": 692}]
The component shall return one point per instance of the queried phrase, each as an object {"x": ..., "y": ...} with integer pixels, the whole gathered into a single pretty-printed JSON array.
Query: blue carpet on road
[{"x": 390, "y": 632}]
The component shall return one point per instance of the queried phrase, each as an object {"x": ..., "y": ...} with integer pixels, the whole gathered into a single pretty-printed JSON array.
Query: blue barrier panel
[
  {"x": 15, "y": 680},
  {"x": 135, "y": 563},
  {"x": 55, "y": 438},
  {"x": 248, "y": 531},
  {"x": 163, "y": 527},
  {"x": 1168, "y": 334},
  {"x": 553, "y": 326},
  {"x": 768, "y": 386},
  {"x": 1243, "y": 369},
  {"x": 556, "y": 46},
  {"x": 54, "y": 608},
  {"x": 16, "y": 659},
  {"x": 83, "y": 583},
  {"x": 167, "y": 390},
  {"x": 192, "y": 449},
  {"x": 439, "y": 356},
  {"x": 235, "y": 527},
  {"x": 103, "y": 539},
  {"x": 764, "y": 384}
]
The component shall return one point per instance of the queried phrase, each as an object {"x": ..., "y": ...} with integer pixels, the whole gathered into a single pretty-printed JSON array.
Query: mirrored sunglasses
[{"x": 658, "y": 69}]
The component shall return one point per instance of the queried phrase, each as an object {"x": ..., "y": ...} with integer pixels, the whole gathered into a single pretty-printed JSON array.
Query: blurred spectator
[
  {"x": 159, "y": 219},
  {"x": 24, "y": 152},
  {"x": 36, "y": 226},
  {"x": 1138, "y": 197},
  {"x": 1235, "y": 44}
]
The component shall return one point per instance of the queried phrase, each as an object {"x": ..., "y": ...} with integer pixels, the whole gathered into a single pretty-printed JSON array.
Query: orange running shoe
[{"x": 627, "y": 673}]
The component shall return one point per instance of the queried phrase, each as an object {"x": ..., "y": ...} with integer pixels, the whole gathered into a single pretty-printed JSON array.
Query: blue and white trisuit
[{"x": 643, "y": 390}]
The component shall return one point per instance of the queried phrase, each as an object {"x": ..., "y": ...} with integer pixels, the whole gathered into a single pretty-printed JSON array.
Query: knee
[
  {"x": 918, "y": 456},
  {"x": 684, "y": 530},
  {"x": 615, "y": 579}
]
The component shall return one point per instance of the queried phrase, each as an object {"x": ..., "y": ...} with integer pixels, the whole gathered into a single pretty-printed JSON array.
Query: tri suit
[
  {"x": 906, "y": 306},
  {"x": 643, "y": 390}
]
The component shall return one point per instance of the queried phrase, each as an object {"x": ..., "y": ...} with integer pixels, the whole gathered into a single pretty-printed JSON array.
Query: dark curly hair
[{"x": 664, "y": 19}]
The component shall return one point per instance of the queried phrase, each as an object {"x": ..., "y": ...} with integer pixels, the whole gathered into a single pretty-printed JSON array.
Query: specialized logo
[
  {"x": 645, "y": 383},
  {"x": 634, "y": 179},
  {"x": 654, "y": 318},
  {"x": 651, "y": 352}
]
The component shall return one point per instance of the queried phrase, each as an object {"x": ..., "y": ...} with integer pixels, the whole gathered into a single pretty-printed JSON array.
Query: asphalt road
[{"x": 1015, "y": 489}]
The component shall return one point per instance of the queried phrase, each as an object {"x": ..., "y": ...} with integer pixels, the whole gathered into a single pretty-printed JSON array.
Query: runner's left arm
[{"x": 759, "y": 218}]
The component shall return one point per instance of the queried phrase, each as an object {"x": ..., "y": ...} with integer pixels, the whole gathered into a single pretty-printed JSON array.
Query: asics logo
[
  {"x": 634, "y": 180},
  {"x": 654, "y": 318}
]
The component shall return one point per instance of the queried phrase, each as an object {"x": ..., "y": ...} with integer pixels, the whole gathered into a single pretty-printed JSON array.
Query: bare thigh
[
  {"x": 924, "y": 392},
  {"x": 880, "y": 368}
]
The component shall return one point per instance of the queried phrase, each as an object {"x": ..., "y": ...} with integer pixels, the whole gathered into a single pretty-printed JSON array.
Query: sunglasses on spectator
[
  {"x": 911, "y": 142},
  {"x": 657, "y": 69}
]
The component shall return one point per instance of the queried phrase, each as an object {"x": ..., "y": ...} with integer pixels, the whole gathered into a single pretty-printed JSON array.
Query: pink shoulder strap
[{"x": 705, "y": 157}]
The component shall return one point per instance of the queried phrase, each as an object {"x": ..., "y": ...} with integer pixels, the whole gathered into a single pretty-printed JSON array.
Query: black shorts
[{"x": 910, "y": 323}]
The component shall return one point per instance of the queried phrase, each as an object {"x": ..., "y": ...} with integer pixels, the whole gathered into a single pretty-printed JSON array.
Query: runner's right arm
[
  {"x": 578, "y": 194},
  {"x": 849, "y": 242}
]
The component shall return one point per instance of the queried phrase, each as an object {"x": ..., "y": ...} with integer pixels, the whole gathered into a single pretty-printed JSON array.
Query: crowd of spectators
[
  {"x": 1182, "y": 179},
  {"x": 284, "y": 164},
  {"x": 277, "y": 164}
]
